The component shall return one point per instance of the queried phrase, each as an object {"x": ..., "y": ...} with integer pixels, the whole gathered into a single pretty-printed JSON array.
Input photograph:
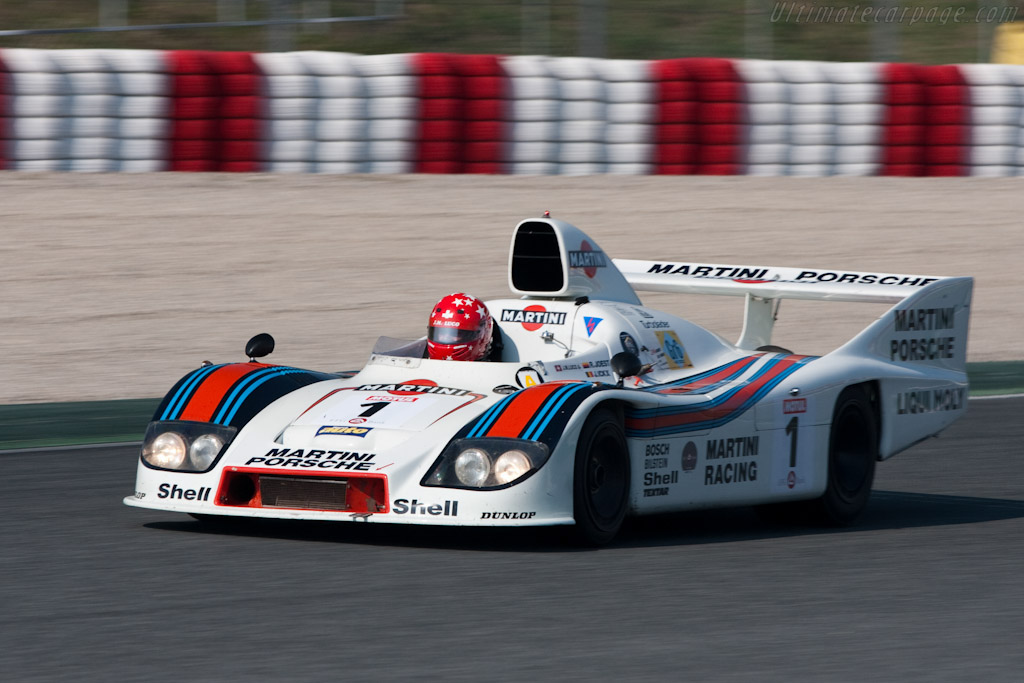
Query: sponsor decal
[
  {"x": 656, "y": 456},
  {"x": 629, "y": 344},
  {"x": 393, "y": 399},
  {"x": 791, "y": 481},
  {"x": 675, "y": 354},
  {"x": 175, "y": 492},
  {"x": 533, "y": 317},
  {"x": 508, "y": 515},
  {"x": 650, "y": 493},
  {"x": 314, "y": 459},
  {"x": 528, "y": 377},
  {"x": 731, "y": 472},
  {"x": 737, "y": 447},
  {"x": 689, "y": 457},
  {"x": 740, "y": 274},
  {"x": 921, "y": 349},
  {"x": 139, "y": 495},
  {"x": 591, "y": 324},
  {"x": 655, "y": 479},
  {"x": 794, "y": 405},
  {"x": 863, "y": 278},
  {"x": 341, "y": 430},
  {"x": 412, "y": 388},
  {"x": 929, "y": 401},
  {"x": 587, "y": 259},
  {"x": 403, "y": 506},
  {"x": 760, "y": 275},
  {"x": 918, "y": 319}
]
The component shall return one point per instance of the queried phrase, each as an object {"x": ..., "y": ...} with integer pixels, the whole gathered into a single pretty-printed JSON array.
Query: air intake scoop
[{"x": 552, "y": 259}]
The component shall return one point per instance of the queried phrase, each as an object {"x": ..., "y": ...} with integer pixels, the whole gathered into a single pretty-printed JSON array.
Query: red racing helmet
[{"x": 460, "y": 328}]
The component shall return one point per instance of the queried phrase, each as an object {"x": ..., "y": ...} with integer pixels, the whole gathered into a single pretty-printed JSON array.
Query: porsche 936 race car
[{"x": 597, "y": 407}]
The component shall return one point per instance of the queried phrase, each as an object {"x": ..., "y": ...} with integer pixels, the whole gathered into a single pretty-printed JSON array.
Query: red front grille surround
[{"x": 364, "y": 493}]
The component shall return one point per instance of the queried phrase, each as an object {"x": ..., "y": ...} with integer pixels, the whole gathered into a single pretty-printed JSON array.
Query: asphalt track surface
[{"x": 926, "y": 588}]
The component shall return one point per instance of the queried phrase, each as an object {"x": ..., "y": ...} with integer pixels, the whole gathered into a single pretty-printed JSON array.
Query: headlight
[
  {"x": 184, "y": 446},
  {"x": 204, "y": 450},
  {"x": 167, "y": 451},
  {"x": 472, "y": 467},
  {"x": 510, "y": 466},
  {"x": 485, "y": 464}
]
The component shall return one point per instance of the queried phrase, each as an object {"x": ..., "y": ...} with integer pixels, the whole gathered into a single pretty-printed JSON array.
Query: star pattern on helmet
[{"x": 481, "y": 311}]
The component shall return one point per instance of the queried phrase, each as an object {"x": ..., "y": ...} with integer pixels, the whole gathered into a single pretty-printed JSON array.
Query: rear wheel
[
  {"x": 852, "y": 453},
  {"x": 601, "y": 479}
]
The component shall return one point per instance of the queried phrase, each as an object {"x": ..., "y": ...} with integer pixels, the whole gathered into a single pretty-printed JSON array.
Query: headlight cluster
[
  {"x": 184, "y": 446},
  {"x": 486, "y": 463}
]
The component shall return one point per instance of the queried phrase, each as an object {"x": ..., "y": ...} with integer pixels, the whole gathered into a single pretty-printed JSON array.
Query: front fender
[
  {"x": 538, "y": 413},
  {"x": 232, "y": 393}
]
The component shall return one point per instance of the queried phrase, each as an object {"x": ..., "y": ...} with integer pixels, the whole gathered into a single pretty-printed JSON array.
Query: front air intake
[
  {"x": 536, "y": 259},
  {"x": 355, "y": 493},
  {"x": 304, "y": 493}
]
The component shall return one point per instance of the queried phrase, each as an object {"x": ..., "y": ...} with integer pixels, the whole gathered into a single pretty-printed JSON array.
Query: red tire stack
[
  {"x": 238, "y": 111},
  {"x": 485, "y": 90},
  {"x": 194, "y": 126},
  {"x": 947, "y": 133},
  {"x": 675, "y": 130},
  {"x": 439, "y": 140},
  {"x": 215, "y": 111},
  {"x": 720, "y": 114},
  {"x": 904, "y": 121}
]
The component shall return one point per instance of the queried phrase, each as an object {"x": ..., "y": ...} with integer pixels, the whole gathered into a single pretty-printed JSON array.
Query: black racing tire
[
  {"x": 601, "y": 478},
  {"x": 852, "y": 454}
]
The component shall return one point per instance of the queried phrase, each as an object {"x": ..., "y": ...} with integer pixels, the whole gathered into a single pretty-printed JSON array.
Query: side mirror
[
  {"x": 626, "y": 364},
  {"x": 260, "y": 345}
]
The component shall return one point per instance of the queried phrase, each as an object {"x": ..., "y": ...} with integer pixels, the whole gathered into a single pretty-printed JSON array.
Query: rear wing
[{"x": 764, "y": 286}]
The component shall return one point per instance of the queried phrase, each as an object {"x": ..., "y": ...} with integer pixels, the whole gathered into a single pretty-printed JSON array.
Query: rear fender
[{"x": 919, "y": 351}]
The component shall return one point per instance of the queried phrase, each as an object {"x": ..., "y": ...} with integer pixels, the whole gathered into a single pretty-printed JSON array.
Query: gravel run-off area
[{"x": 114, "y": 286}]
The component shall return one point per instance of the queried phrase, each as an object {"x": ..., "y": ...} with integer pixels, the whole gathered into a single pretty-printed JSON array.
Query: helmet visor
[{"x": 451, "y": 335}]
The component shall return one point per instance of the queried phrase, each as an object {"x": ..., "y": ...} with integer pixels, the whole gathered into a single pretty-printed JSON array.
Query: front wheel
[
  {"x": 852, "y": 453},
  {"x": 600, "y": 479}
]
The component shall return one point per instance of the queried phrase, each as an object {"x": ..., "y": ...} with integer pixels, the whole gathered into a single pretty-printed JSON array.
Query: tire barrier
[
  {"x": 85, "y": 110},
  {"x": 328, "y": 112}
]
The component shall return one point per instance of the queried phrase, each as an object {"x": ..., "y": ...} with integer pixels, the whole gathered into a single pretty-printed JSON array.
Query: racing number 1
[
  {"x": 791, "y": 432},
  {"x": 374, "y": 408}
]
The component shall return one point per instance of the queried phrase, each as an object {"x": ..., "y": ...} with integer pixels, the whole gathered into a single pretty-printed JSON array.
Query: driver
[{"x": 460, "y": 328}]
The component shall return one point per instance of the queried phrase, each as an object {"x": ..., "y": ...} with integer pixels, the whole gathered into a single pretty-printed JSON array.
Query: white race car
[{"x": 598, "y": 407}]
